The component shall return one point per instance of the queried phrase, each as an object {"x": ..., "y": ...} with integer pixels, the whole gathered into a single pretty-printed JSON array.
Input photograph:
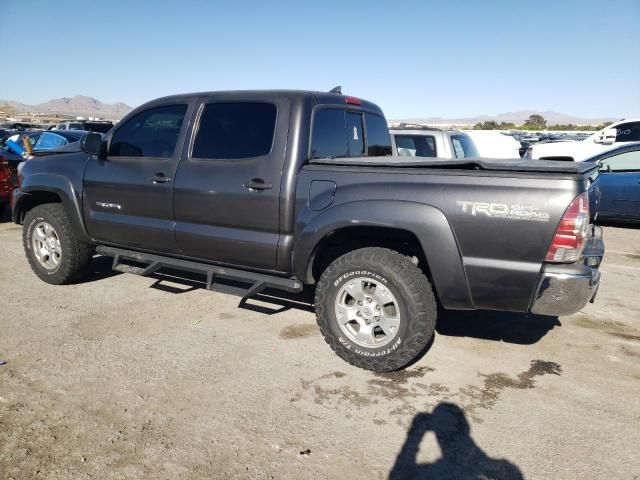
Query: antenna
[{"x": 337, "y": 90}]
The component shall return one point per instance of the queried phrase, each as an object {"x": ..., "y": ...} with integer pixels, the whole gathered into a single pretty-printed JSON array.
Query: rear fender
[{"x": 427, "y": 223}]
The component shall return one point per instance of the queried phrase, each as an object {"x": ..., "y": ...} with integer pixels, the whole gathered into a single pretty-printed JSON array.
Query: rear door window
[
  {"x": 416, "y": 145},
  {"x": 151, "y": 133},
  {"x": 235, "y": 130},
  {"x": 378, "y": 139}
]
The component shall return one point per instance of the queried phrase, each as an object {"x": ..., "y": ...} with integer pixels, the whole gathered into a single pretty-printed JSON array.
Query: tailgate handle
[{"x": 257, "y": 184}]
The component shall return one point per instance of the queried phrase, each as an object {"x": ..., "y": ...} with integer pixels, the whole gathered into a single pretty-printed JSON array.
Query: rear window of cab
[{"x": 342, "y": 133}]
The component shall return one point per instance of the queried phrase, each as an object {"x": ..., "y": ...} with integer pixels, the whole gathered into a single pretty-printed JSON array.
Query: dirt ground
[{"x": 129, "y": 377}]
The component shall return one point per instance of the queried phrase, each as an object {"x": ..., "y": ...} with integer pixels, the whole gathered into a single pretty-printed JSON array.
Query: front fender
[
  {"x": 58, "y": 185},
  {"x": 427, "y": 223}
]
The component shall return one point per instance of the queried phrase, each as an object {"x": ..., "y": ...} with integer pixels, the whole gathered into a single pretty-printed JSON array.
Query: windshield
[{"x": 463, "y": 146}]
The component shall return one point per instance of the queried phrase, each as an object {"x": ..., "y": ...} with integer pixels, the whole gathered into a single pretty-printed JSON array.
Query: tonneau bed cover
[{"x": 514, "y": 165}]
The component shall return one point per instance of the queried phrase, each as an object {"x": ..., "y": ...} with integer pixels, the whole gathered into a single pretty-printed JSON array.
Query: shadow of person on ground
[
  {"x": 510, "y": 327},
  {"x": 461, "y": 458}
]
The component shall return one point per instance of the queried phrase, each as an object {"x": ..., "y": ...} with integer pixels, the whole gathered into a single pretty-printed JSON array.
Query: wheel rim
[
  {"x": 367, "y": 312},
  {"x": 46, "y": 245}
]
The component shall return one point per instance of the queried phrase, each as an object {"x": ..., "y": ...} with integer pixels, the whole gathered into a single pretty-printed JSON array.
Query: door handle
[
  {"x": 257, "y": 184},
  {"x": 160, "y": 178}
]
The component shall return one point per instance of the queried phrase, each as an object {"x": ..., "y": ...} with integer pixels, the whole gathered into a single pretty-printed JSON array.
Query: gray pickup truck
[{"x": 281, "y": 189}]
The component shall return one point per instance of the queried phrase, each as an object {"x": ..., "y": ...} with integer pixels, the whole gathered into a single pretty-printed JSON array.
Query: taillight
[
  {"x": 571, "y": 234},
  {"x": 353, "y": 101}
]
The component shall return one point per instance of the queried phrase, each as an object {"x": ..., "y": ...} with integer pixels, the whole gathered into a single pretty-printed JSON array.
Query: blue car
[
  {"x": 40, "y": 141},
  {"x": 619, "y": 183}
]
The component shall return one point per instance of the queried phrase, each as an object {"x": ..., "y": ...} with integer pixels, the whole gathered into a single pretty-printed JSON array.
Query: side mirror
[
  {"x": 91, "y": 143},
  {"x": 607, "y": 137},
  {"x": 604, "y": 167}
]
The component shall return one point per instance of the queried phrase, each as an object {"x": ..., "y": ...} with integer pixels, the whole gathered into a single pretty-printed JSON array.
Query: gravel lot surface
[{"x": 130, "y": 377}]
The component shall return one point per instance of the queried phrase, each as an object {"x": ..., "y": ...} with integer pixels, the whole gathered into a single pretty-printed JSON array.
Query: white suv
[
  {"x": 578, "y": 150},
  {"x": 422, "y": 141}
]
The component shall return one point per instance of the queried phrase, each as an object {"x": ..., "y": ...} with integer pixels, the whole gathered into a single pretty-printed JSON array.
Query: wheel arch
[{"x": 39, "y": 189}]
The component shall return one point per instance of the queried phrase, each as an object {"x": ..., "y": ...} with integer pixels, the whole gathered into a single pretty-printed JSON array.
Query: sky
[{"x": 413, "y": 58}]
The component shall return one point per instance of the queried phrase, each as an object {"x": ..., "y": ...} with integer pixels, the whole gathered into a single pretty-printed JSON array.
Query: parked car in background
[
  {"x": 40, "y": 142},
  {"x": 5, "y": 133},
  {"x": 494, "y": 144},
  {"x": 423, "y": 141},
  {"x": 6, "y": 184},
  {"x": 608, "y": 138},
  {"x": 99, "y": 126},
  {"x": 18, "y": 125},
  {"x": 17, "y": 136},
  {"x": 10, "y": 129},
  {"x": 12, "y": 157},
  {"x": 619, "y": 183}
]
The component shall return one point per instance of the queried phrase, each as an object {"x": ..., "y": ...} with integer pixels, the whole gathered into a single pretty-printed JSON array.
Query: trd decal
[{"x": 502, "y": 210}]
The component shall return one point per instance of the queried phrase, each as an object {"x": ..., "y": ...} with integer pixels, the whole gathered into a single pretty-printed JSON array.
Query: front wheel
[
  {"x": 376, "y": 309},
  {"x": 54, "y": 252}
]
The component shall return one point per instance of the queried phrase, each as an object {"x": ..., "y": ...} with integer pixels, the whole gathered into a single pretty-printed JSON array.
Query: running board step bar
[{"x": 152, "y": 263}]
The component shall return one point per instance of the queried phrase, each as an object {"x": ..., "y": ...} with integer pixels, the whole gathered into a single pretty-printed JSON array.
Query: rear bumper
[{"x": 566, "y": 289}]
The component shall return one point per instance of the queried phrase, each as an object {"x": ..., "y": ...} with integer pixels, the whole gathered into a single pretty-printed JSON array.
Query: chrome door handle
[
  {"x": 160, "y": 178},
  {"x": 257, "y": 184}
]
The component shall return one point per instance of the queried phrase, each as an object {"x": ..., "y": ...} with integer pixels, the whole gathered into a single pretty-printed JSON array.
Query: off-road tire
[
  {"x": 410, "y": 287},
  {"x": 76, "y": 255}
]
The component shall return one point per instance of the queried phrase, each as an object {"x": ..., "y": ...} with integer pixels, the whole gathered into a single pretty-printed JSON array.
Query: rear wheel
[
  {"x": 376, "y": 309},
  {"x": 54, "y": 252}
]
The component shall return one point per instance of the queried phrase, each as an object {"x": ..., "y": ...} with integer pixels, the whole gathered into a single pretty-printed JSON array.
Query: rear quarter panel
[{"x": 501, "y": 223}]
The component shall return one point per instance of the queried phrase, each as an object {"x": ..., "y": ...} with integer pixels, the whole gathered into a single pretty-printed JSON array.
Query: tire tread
[
  {"x": 76, "y": 254},
  {"x": 420, "y": 303}
]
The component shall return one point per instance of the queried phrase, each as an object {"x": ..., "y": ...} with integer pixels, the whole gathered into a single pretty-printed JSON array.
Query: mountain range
[
  {"x": 518, "y": 118},
  {"x": 79, "y": 105}
]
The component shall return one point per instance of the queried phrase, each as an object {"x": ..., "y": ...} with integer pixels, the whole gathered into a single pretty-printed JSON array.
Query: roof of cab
[{"x": 325, "y": 98}]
